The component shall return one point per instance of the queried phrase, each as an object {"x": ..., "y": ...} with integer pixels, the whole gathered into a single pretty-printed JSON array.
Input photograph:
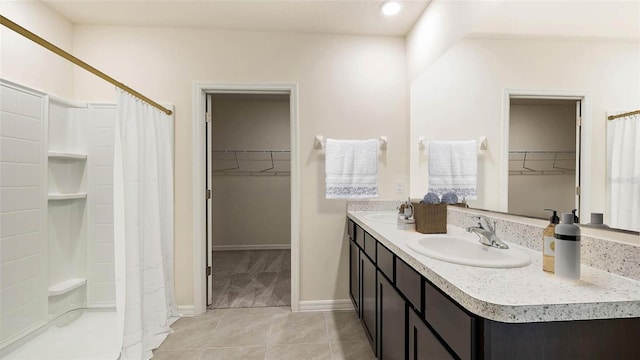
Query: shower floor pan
[{"x": 77, "y": 335}]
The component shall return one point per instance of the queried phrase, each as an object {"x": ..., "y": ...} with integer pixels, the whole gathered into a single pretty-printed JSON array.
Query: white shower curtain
[
  {"x": 143, "y": 226},
  {"x": 624, "y": 177}
]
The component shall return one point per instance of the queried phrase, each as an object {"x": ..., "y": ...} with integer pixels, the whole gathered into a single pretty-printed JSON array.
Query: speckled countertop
[{"x": 525, "y": 294}]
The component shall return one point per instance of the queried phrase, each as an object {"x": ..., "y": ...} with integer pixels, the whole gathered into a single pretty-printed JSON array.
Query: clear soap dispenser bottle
[{"x": 549, "y": 243}]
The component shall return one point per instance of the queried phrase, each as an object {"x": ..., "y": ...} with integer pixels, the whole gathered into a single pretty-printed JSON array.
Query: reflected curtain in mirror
[{"x": 623, "y": 176}]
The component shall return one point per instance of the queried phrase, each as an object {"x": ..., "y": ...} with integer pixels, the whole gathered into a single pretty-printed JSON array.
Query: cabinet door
[
  {"x": 354, "y": 275},
  {"x": 391, "y": 322},
  {"x": 368, "y": 271},
  {"x": 423, "y": 345},
  {"x": 351, "y": 228},
  {"x": 449, "y": 321},
  {"x": 359, "y": 236},
  {"x": 409, "y": 282}
]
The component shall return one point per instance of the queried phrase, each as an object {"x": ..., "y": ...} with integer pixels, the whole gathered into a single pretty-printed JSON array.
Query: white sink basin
[
  {"x": 468, "y": 251},
  {"x": 387, "y": 218}
]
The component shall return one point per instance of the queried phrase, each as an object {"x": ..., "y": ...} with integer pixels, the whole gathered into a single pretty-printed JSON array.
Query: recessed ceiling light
[{"x": 390, "y": 7}]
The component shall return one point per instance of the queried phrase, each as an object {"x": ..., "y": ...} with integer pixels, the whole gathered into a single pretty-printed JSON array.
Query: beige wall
[
  {"x": 350, "y": 87},
  {"x": 461, "y": 97},
  {"x": 23, "y": 61},
  {"x": 542, "y": 126},
  {"x": 441, "y": 25},
  {"x": 251, "y": 209}
]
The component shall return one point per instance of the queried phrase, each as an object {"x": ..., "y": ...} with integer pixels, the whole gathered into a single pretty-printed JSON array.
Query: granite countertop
[{"x": 515, "y": 295}]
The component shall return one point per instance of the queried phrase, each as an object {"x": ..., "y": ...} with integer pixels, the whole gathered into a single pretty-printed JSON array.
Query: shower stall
[{"x": 57, "y": 263}]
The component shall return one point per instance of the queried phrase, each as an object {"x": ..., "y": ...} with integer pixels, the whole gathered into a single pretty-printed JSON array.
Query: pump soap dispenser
[
  {"x": 549, "y": 243},
  {"x": 567, "y": 264},
  {"x": 406, "y": 221}
]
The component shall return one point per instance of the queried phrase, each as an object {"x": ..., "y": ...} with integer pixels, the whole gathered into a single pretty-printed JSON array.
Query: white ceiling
[{"x": 362, "y": 17}]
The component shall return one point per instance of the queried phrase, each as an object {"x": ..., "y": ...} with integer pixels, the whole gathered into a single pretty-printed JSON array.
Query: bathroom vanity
[{"x": 416, "y": 307}]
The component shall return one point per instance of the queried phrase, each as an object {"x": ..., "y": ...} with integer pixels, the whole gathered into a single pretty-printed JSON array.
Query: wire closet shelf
[
  {"x": 251, "y": 162},
  {"x": 542, "y": 162}
]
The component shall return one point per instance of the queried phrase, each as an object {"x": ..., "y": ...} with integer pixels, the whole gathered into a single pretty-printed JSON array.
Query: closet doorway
[
  {"x": 544, "y": 155},
  {"x": 249, "y": 206}
]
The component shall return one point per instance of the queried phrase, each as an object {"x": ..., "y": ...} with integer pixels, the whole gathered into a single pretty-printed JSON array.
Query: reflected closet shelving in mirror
[{"x": 542, "y": 162}]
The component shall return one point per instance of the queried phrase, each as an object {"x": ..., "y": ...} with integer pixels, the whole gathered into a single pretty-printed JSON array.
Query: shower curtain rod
[
  {"x": 613, "y": 117},
  {"x": 49, "y": 46}
]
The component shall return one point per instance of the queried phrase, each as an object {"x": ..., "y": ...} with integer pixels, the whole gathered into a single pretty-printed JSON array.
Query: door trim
[
  {"x": 200, "y": 89},
  {"x": 585, "y": 141}
]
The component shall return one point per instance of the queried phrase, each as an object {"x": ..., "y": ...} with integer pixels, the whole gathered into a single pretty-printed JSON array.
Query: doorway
[
  {"x": 543, "y": 155},
  {"x": 250, "y": 212},
  {"x": 204, "y": 195}
]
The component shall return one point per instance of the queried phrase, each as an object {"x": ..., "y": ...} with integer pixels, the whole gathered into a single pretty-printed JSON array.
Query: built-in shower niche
[
  {"x": 67, "y": 175},
  {"x": 67, "y": 255},
  {"x": 67, "y": 207}
]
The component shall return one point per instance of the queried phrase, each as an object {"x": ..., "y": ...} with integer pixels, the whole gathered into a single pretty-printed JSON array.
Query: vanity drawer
[
  {"x": 409, "y": 282},
  {"x": 385, "y": 261},
  {"x": 449, "y": 321},
  {"x": 351, "y": 228},
  {"x": 359, "y": 239},
  {"x": 370, "y": 246}
]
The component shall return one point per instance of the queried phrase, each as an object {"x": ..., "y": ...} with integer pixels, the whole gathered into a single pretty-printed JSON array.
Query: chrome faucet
[{"x": 486, "y": 233}]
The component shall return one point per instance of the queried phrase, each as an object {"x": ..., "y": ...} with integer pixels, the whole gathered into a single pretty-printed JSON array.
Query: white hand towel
[
  {"x": 453, "y": 167},
  {"x": 351, "y": 168}
]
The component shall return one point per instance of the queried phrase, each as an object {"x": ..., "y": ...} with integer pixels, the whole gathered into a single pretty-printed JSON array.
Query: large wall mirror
[{"x": 524, "y": 91}]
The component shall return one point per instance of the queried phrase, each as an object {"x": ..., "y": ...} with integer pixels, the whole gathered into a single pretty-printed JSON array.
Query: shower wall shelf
[
  {"x": 67, "y": 155},
  {"x": 541, "y": 162},
  {"x": 251, "y": 162},
  {"x": 66, "y": 286},
  {"x": 67, "y": 196},
  {"x": 69, "y": 135}
]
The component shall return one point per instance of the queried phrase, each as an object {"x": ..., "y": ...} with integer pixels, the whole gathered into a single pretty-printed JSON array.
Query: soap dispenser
[
  {"x": 567, "y": 260},
  {"x": 548, "y": 243},
  {"x": 576, "y": 219},
  {"x": 406, "y": 220}
]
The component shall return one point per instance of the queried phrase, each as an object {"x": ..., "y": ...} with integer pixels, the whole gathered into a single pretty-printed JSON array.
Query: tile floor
[
  {"x": 251, "y": 278},
  {"x": 268, "y": 333}
]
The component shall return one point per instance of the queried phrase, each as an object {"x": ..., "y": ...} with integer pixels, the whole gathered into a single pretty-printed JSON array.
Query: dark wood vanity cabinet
[
  {"x": 602, "y": 339},
  {"x": 362, "y": 279},
  {"x": 391, "y": 321},
  {"x": 354, "y": 275},
  {"x": 453, "y": 324},
  {"x": 423, "y": 344},
  {"x": 368, "y": 304},
  {"x": 407, "y": 317},
  {"x": 354, "y": 266}
]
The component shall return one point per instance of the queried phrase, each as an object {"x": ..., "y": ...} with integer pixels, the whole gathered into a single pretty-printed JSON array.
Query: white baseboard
[
  {"x": 186, "y": 310},
  {"x": 252, "y": 247},
  {"x": 326, "y": 305}
]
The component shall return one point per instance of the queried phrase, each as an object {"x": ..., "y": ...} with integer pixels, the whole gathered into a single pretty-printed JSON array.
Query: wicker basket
[{"x": 430, "y": 219}]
